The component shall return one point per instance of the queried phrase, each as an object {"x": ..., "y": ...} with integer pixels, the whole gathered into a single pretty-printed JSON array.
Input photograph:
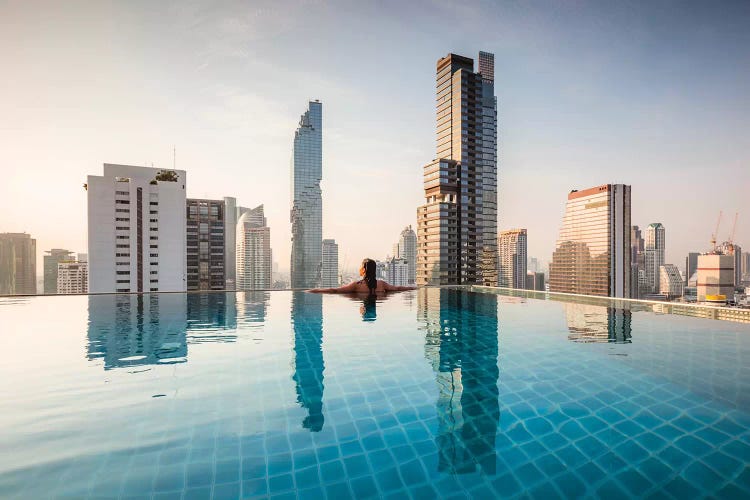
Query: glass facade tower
[
  {"x": 306, "y": 214},
  {"x": 593, "y": 251},
  {"x": 457, "y": 225},
  {"x": 654, "y": 255}
]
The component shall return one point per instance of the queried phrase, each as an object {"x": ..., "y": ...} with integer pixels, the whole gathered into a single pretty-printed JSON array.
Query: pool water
[{"x": 431, "y": 393}]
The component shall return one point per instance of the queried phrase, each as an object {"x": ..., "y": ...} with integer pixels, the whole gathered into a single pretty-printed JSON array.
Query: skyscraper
[
  {"x": 206, "y": 226},
  {"x": 691, "y": 265},
  {"x": 72, "y": 277},
  {"x": 230, "y": 242},
  {"x": 330, "y": 268},
  {"x": 253, "y": 251},
  {"x": 17, "y": 264},
  {"x": 745, "y": 261},
  {"x": 729, "y": 248},
  {"x": 136, "y": 230},
  {"x": 654, "y": 246},
  {"x": 306, "y": 214},
  {"x": 637, "y": 263},
  {"x": 53, "y": 257},
  {"x": 593, "y": 251},
  {"x": 513, "y": 258},
  {"x": 406, "y": 249},
  {"x": 457, "y": 225}
]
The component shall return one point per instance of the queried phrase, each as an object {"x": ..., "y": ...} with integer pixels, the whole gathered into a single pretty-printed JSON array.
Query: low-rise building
[
  {"x": 671, "y": 283},
  {"x": 715, "y": 277}
]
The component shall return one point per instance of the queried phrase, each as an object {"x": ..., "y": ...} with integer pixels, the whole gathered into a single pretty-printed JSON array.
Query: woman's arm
[{"x": 351, "y": 287}]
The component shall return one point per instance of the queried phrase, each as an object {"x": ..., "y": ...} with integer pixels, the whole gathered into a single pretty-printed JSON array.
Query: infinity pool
[{"x": 432, "y": 393}]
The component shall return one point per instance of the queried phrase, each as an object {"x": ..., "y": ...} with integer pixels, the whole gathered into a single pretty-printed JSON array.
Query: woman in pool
[{"x": 368, "y": 284}]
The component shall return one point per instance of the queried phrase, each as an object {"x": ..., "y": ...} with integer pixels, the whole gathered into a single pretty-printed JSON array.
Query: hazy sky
[{"x": 652, "y": 94}]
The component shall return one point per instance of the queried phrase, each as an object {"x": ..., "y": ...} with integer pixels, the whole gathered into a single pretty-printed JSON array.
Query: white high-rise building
[
  {"x": 136, "y": 230},
  {"x": 72, "y": 277},
  {"x": 406, "y": 249},
  {"x": 512, "y": 254},
  {"x": 397, "y": 272},
  {"x": 253, "y": 251},
  {"x": 671, "y": 282},
  {"x": 654, "y": 246},
  {"x": 330, "y": 271}
]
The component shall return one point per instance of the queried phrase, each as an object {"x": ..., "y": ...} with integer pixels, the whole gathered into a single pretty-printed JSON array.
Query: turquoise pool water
[{"x": 432, "y": 393}]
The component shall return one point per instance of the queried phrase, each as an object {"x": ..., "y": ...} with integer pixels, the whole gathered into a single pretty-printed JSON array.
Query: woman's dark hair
[{"x": 370, "y": 274}]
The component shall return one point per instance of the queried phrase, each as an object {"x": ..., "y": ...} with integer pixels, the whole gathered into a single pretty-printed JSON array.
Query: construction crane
[
  {"x": 715, "y": 234},
  {"x": 734, "y": 227}
]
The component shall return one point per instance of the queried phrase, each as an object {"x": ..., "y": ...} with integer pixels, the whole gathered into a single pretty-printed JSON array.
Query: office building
[
  {"x": 54, "y": 257},
  {"x": 691, "y": 266},
  {"x": 253, "y": 251},
  {"x": 671, "y": 284},
  {"x": 729, "y": 248},
  {"x": 654, "y": 249},
  {"x": 136, "y": 230},
  {"x": 406, "y": 249},
  {"x": 534, "y": 281},
  {"x": 17, "y": 264},
  {"x": 457, "y": 225},
  {"x": 533, "y": 264},
  {"x": 637, "y": 264},
  {"x": 594, "y": 249},
  {"x": 715, "y": 278},
  {"x": 230, "y": 242},
  {"x": 307, "y": 203},
  {"x": 745, "y": 266},
  {"x": 205, "y": 244},
  {"x": 330, "y": 269},
  {"x": 72, "y": 277},
  {"x": 397, "y": 272},
  {"x": 513, "y": 257}
]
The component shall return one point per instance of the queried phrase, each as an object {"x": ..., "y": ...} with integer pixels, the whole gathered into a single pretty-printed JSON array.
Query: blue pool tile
[
  {"x": 506, "y": 485},
  {"x": 281, "y": 483},
  {"x": 279, "y": 464},
  {"x": 724, "y": 464},
  {"x": 332, "y": 472},
  {"x": 737, "y": 449},
  {"x": 679, "y": 488},
  {"x": 307, "y": 477},
  {"x": 253, "y": 468},
  {"x": 673, "y": 457},
  {"x": 168, "y": 495},
  {"x": 634, "y": 482},
  {"x": 693, "y": 446},
  {"x": 227, "y": 471},
  {"x": 529, "y": 474},
  {"x": 669, "y": 432},
  {"x": 255, "y": 488},
  {"x": 338, "y": 491},
  {"x": 389, "y": 480},
  {"x": 612, "y": 491},
  {"x": 364, "y": 487},
  {"x": 654, "y": 469},
  {"x": 650, "y": 441},
  {"x": 356, "y": 466},
  {"x": 412, "y": 473},
  {"x": 571, "y": 485},
  {"x": 686, "y": 423},
  {"x": 631, "y": 451},
  {"x": 610, "y": 462},
  {"x": 227, "y": 490},
  {"x": 197, "y": 493},
  {"x": 170, "y": 478},
  {"x": 201, "y": 474}
]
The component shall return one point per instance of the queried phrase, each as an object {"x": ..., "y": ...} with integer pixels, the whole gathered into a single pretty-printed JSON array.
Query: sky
[{"x": 653, "y": 94}]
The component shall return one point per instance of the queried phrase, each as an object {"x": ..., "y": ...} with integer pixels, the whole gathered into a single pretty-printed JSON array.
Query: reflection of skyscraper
[
  {"x": 590, "y": 323},
  {"x": 593, "y": 251},
  {"x": 307, "y": 321},
  {"x": 133, "y": 330},
  {"x": 461, "y": 345},
  {"x": 307, "y": 202},
  {"x": 211, "y": 317}
]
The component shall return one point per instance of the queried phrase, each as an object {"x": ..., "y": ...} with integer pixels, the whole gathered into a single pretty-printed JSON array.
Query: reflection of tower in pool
[
  {"x": 307, "y": 321},
  {"x": 135, "y": 330},
  {"x": 461, "y": 344},
  {"x": 590, "y": 323},
  {"x": 211, "y": 317}
]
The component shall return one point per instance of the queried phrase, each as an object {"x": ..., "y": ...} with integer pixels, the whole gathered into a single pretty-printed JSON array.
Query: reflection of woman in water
[
  {"x": 368, "y": 284},
  {"x": 368, "y": 308}
]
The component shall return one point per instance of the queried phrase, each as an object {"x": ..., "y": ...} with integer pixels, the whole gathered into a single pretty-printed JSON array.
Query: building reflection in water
[
  {"x": 307, "y": 322},
  {"x": 590, "y": 323},
  {"x": 461, "y": 344},
  {"x": 135, "y": 330}
]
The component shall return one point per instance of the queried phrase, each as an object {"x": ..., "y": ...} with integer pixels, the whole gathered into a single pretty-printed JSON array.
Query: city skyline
[{"x": 573, "y": 113}]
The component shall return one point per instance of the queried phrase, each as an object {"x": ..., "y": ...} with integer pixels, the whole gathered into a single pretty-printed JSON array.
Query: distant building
[
  {"x": 381, "y": 269},
  {"x": 655, "y": 246},
  {"x": 735, "y": 251},
  {"x": 330, "y": 269},
  {"x": 136, "y": 230},
  {"x": 397, "y": 272},
  {"x": 745, "y": 261},
  {"x": 307, "y": 202},
  {"x": 457, "y": 224},
  {"x": 512, "y": 253},
  {"x": 230, "y": 242},
  {"x": 17, "y": 264},
  {"x": 53, "y": 257},
  {"x": 253, "y": 251},
  {"x": 637, "y": 264},
  {"x": 715, "y": 277},
  {"x": 535, "y": 281},
  {"x": 72, "y": 277},
  {"x": 406, "y": 249},
  {"x": 670, "y": 281},
  {"x": 593, "y": 250},
  {"x": 533, "y": 265},
  {"x": 691, "y": 265},
  {"x": 205, "y": 243}
]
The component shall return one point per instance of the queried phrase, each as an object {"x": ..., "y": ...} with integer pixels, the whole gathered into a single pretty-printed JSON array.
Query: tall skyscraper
[
  {"x": 306, "y": 214},
  {"x": 691, "y": 265},
  {"x": 330, "y": 269},
  {"x": 206, "y": 225},
  {"x": 230, "y": 242},
  {"x": 593, "y": 250},
  {"x": 397, "y": 272},
  {"x": 745, "y": 261},
  {"x": 136, "y": 230},
  {"x": 72, "y": 277},
  {"x": 406, "y": 249},
  {"x": 17, "y": 264},
  {"x": 457, "y": 225},
  {"x": 637, "y": 263},
  {"x": 253, "y": 251},
  {"x": 53, "y": 257},
  {"x": 513, "y": 257},
  {"x": 654, "y": 248}
]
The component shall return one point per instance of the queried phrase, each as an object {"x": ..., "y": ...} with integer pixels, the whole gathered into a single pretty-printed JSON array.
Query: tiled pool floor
[{"x": 435, "y": 393}]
